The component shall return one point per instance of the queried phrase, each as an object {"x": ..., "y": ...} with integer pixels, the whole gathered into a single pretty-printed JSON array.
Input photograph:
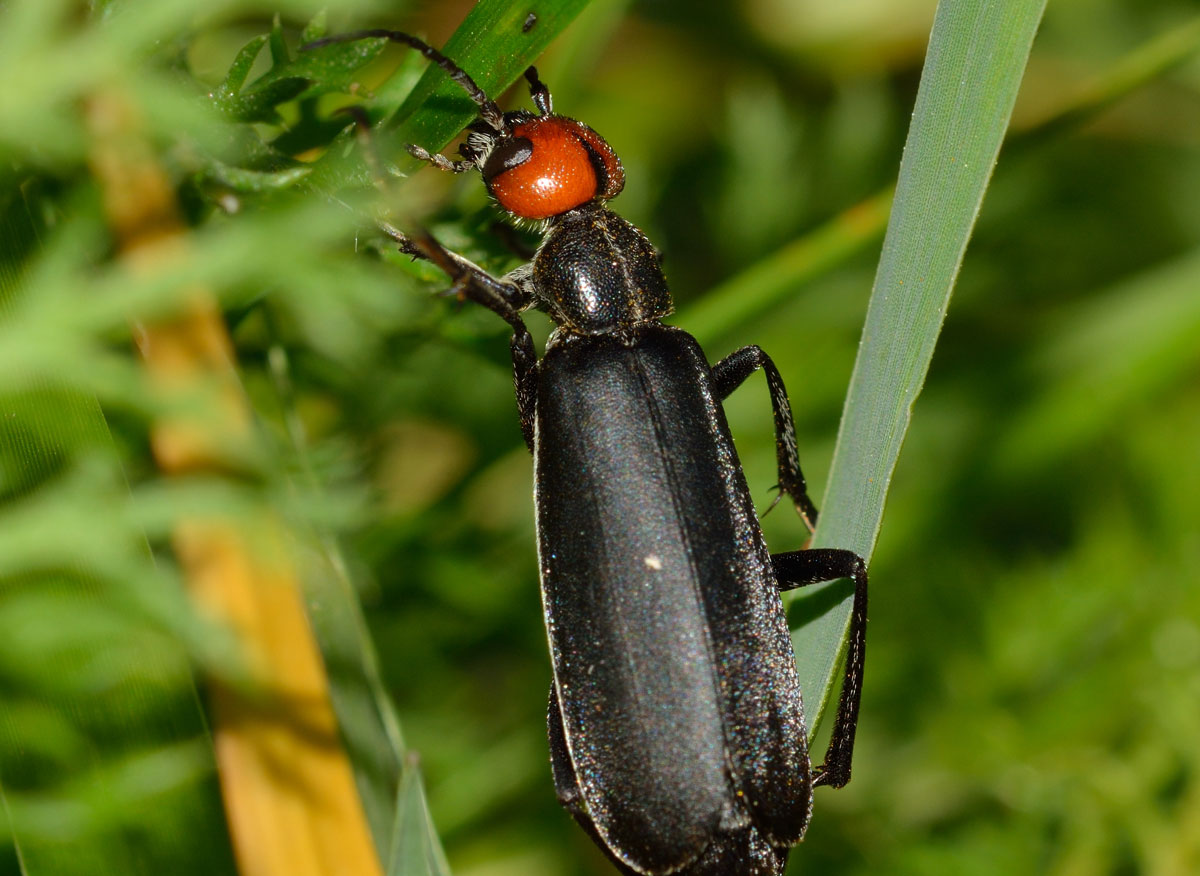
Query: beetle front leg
[
  {"x": 506, "y": 297},
  {"x": 441, "y": 162},
  {"x": 799, "y": 569},
  {"x": 730, "y": 373}
]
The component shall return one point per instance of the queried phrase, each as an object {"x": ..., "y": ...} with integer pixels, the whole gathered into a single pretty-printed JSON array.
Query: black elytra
[{"x": 677, "y": 731}]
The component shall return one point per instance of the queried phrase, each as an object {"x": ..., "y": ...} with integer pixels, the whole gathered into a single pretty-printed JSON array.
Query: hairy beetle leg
[
  {"x": 506, "y": 297},
  {"x": 440, "y": 161},
  {"x": 403, "y": 242},
  {"x": 730, "y": 373},
  {"x": 799, "y": 569},
  {"x": 539, "y": 93}
]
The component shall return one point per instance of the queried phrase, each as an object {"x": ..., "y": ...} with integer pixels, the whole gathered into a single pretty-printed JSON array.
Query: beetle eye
[{"x": 509, "y": 153}]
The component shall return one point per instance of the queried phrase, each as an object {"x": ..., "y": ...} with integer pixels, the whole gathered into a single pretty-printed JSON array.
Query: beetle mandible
[{"x": 677, "y": 731}]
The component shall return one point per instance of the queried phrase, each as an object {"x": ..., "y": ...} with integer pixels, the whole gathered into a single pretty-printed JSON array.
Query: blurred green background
[{"x": 1032, "y": 700}]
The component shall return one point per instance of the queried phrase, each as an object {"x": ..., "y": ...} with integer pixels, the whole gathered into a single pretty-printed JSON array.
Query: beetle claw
[{"x": 774, "y": 502}]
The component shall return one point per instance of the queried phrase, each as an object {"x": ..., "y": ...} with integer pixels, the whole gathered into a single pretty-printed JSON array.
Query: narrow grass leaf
[
  {"x": 976, "y": 58},
  {"x": 413, "y": 854}
]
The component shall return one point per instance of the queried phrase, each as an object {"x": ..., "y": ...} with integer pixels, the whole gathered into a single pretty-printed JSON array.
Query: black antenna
[
  {"x": 539, "y": 92},
  {"x": 488, "y": 110}
]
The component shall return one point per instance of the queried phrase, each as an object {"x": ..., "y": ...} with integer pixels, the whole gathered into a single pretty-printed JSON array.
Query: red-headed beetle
[{"x": 677, "y": 731}]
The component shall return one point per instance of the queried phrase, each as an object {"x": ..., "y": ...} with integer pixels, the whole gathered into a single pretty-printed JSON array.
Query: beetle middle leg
[
  {"x": 730, "y": 373},
  {"x": 799, "y": 569}
]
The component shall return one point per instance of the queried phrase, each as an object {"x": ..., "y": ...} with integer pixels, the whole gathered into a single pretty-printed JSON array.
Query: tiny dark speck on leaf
[{"x": 530, "y": 21}]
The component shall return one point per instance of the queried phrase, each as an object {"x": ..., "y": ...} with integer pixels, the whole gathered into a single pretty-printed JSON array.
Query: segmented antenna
[
  {"x": 488, "y": 110},
  {"x": 539, "y": 92}
]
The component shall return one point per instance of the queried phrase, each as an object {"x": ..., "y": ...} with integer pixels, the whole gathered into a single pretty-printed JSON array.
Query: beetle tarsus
[
  {"x": 403, "y": 242},
  {"x": 799, "y": 569},
  {"x": 488, "y": 110},
  {"x": 440, "y": 161}
]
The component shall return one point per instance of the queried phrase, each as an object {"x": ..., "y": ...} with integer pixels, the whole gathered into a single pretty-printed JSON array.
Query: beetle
[{"x": 676, "y": 724}]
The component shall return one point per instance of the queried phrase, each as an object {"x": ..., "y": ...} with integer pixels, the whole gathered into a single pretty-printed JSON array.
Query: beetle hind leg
[{"x": 798, "y": 569}]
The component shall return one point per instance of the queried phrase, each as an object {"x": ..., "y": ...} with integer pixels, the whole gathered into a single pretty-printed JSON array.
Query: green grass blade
[
  {"x": 976, "y": 57},
  {"x": 415, "y": 850},
  {"x": 369, "y": 727},
  {"x": 772, "y": 280}
]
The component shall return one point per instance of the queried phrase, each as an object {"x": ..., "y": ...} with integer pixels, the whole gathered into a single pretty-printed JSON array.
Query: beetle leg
[
  {"x": 441, "y": 162},
  {"x": 524, "y": 356},
  {"x": 539, "y": 92},
  {"x": 729, "y": 374},
  {"x": 403, "y": 242},
  {"x": 798, "y": 569},
  {"x": 506, "y": 297}
]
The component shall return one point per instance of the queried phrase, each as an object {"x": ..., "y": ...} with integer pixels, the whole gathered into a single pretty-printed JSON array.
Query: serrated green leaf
[
  {"x": 327, "y": 68},
  {"x": 258, "y": 103}
]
